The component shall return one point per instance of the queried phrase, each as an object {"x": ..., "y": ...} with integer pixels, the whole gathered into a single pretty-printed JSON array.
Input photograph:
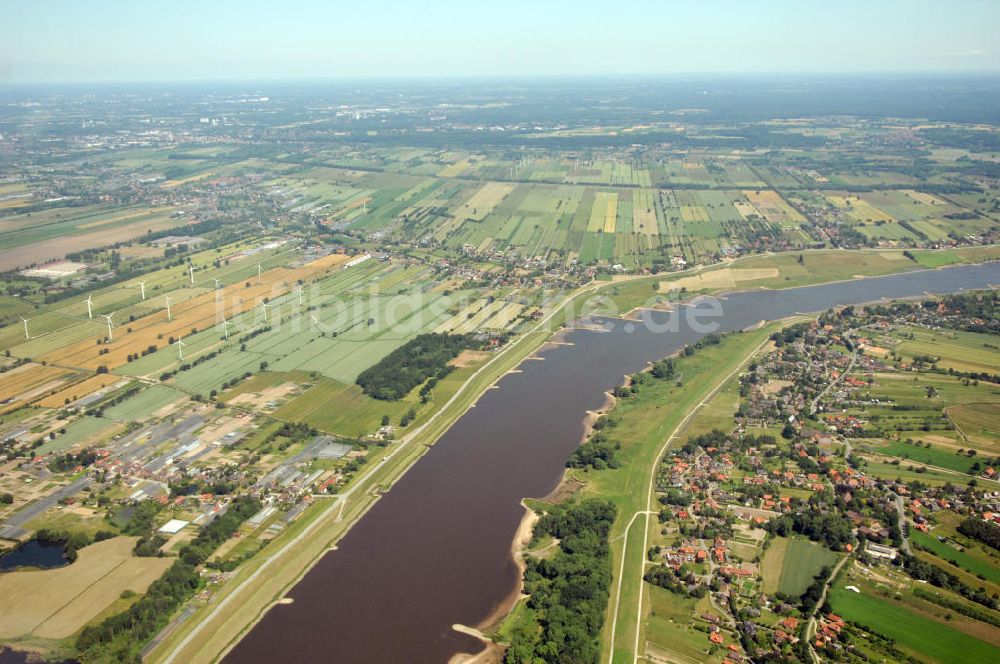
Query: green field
[
  {"x": 941, "y": 458},
  {"x": 803, "y": 560},
  {"x": 973, "y": 560},
  {"x": 959, "y": 350},
  {"x": 917, "y": 634}
]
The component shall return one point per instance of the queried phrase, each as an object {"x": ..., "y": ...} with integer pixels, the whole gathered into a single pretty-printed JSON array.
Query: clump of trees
[
  {"x": 831, "y": 529},
  {"x": 71, "y": 541},
  {"x": 678, "y": 581},
  {"x": 63, "y": 463},
  {"x": 414, "y": 362},
  {"x": 984, "y": 531},
  {"x": 569, "y": 590},
  {"x": 597, "y": 453}
]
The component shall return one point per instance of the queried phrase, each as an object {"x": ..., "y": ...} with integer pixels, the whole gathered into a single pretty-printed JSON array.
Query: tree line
[{"x": 120, "y": 638}]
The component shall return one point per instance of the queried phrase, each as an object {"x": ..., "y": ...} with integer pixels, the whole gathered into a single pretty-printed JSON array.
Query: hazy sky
[{"x": 115, "y": 40}]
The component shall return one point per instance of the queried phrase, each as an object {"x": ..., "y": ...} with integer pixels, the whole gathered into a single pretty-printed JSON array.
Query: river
[{"x": 436, "y": 549}]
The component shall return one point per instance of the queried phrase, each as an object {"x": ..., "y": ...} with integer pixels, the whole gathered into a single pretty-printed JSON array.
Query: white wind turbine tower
[
  {"x": 90, "y": 309},
  {"x": 191, "y": 273},
  {"x": 225, "y": 327},
  {"x": 263, "y": 306},
  {"x": 217, "y": 291},
  {"x": 142, "y": 288},
  {"x": 107, "y": 317},
  {"x": 166, "y": 298},
  {"x": 299, "y": 291},
  {"x": 25, "y": 321},
  {"x": 180, "y": 349},
  {"x": 260, "y": 272},
  {"x": 313, "y": 318}
]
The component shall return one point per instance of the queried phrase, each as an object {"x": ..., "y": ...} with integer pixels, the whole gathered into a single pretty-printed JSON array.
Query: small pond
[{"x": 34, "y": 553}]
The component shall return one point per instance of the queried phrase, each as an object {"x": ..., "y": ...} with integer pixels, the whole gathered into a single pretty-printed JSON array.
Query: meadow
[
  {"x": 973, "y": 559},
  {"x": 790, "y": 564},
  {"x": 916, "y": 633}
]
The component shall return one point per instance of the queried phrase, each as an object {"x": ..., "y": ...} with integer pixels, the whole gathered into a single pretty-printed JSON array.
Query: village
[{"x": 763, "y": 520}]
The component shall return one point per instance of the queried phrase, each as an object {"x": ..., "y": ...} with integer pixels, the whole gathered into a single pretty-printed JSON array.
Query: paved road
[
  {"x": 14, "y": 527},
  {"x": 902, "y": 525},
  {"x": 850, "y": 367}
]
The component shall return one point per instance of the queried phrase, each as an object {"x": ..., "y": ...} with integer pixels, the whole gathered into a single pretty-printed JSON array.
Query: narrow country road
[
  {"x": 833, "y": 383},
  {"x": 811, "y": 628}
]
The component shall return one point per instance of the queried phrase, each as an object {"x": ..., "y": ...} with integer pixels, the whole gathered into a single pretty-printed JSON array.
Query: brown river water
[{"x": 436, "y": 549}]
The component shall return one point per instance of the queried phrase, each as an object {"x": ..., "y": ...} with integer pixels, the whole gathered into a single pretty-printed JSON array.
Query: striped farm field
[
  {"x": 485, "y": 200},
  {"x": 199, "y": 313},
  {"x": 603, "y": 213},
  {"x": 78, "y": 390},
  {"x": 644, "y": 212},
  {"x": 29, "y": 381},
  {"x": 859, "y": 209},
  {"x": 773, "y": 207}
]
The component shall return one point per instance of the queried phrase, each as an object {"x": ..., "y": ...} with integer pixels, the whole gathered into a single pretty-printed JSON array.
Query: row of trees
[
  {"x": 120, "y": 637},
  {"x": 922, "y": 570},
  {"x": 986, "y": 532}
]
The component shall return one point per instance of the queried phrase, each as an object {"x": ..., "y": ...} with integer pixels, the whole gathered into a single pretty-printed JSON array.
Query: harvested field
[
  {"x": 468, "y": 358},
  {"x": 78, "y": 390},
  {"x": 56, "y": 603},
  {"x": 773, "y": 207},
  {"x": 93, "y": 234},
  {"x": 453, "y": 170},
  {"x": 644, "y": 213},
  {"x": 29, "y": 381},
  {"x": 724, "y": 278},
  {"x": 260, "y": 399}
]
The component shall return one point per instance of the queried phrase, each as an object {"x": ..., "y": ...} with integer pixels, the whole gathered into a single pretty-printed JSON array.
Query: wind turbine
[
  {"x": 299, "y": 291},
  {"x": 225, "y": 327},
  {"x": 107, "y": 317},
  {"x": 217, "y": 291},
  {"x": 180, "y": 349},
  {"x": 166, "y": 298},
  {"x": 314, "y": 319},
  {"x": 260, "y": 271},
  {"x": 191, "y": 272},
  {"x": 142, "y": 288},
  {"x": 25, "y": 321},
  {"x": 263, "y": 305},
  {"x": 90, "y": 310}
]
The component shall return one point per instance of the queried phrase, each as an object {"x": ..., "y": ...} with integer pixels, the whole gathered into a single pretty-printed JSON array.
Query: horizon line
[{"x": 430, "y": 78}]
